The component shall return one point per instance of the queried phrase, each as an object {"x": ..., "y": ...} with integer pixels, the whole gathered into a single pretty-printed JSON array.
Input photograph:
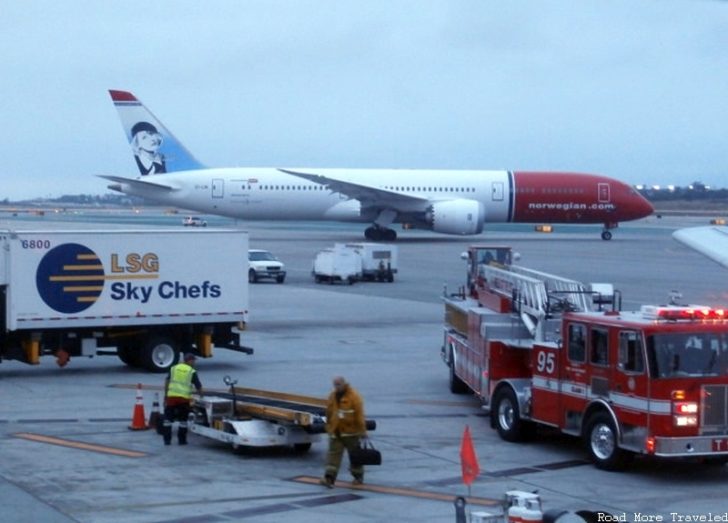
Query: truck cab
[
  {"x": 652, "y": 381},
  {"x": 539, "y": 349},
  {"x": 478, "y": 255}
]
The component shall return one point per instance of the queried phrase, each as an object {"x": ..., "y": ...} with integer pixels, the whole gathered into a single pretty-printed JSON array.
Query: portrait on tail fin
[
  {"x": 155, "y": 149},
  {"x": 146, "y": 141}
]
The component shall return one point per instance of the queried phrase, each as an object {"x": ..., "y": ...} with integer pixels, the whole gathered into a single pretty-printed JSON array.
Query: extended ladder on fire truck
[
  {"x": 246, "y": 417},
  {"x": 534, "y": 295}
]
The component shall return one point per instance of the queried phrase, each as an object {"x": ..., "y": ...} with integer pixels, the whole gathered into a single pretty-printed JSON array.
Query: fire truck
[{"x": 538, "y": 349}]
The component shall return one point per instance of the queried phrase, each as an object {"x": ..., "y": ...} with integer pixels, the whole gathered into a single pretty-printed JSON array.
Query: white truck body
[
  {"x": 377, "y": 259},
  {"x": 337, "y": 265},
  {"x": 78, "y": 290}
]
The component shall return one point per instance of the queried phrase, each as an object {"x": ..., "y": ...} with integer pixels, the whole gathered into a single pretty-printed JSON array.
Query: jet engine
[{"x": 457, "y": 217}]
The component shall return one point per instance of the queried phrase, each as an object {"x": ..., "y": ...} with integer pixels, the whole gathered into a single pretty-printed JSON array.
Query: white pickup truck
[{"x": 262, "y": 265}]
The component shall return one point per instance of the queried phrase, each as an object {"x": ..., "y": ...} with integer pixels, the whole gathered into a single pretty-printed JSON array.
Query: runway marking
[
  {"x": 444, "y": 403},
  {"x": 402, "y": 491},
  {"x": 262, "y": 510},
  {"x": 134, "y": 386},
  {"x": 557, "y": 465},
  {"x": 52, "y": 440},
  {"x": 64, "y": 420}
]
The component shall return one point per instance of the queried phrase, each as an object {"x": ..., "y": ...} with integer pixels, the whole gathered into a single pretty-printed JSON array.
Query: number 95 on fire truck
[{"x": 538, "y": 349}]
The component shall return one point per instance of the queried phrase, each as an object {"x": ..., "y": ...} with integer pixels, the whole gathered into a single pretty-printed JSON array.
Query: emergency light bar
[{"x": 689, "y": 313}]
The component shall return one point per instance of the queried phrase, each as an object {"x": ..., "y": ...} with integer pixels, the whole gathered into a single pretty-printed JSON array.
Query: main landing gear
[{"x": 376, "y": 234}]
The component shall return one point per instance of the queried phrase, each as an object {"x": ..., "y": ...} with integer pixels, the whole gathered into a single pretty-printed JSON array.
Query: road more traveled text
[{"x": 672, "y": 517}]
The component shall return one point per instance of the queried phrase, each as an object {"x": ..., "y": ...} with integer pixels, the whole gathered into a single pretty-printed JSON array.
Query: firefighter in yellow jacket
[
  {"x": 177, "y": 397},
  {"x": 346, "y": 425}
]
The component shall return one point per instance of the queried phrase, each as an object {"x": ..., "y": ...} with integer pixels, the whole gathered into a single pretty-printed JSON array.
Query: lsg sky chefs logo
[{"x": 71, "y": 278}]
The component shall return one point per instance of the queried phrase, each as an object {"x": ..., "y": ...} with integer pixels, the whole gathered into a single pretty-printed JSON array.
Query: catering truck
[
  {"x": 144, "y": 295},
  {"x": 539, "y": 349}
]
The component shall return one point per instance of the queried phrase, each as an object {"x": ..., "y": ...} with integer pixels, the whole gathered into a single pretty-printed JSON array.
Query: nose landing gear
[{"x": 606, "y": 233}]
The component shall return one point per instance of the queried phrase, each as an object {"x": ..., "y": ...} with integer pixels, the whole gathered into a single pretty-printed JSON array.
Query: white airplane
[
  {"x": 710, "y": 241},
  {"x": 449, "y": 202}
]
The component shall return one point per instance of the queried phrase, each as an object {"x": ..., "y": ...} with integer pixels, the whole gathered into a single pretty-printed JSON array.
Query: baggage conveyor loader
[{"x": 247, "y": 417}]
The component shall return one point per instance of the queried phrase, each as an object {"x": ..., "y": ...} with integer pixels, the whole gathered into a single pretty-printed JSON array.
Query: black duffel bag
[{"x": 365, "y": 454}]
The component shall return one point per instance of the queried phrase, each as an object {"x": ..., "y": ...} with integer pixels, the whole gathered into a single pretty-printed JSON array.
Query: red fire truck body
[{"x": 652, "y": 381}]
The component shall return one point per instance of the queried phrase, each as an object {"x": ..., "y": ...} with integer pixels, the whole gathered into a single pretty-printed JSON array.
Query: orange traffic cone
[
  {"x": 155, "y": 418},
  {"x": 137, "y": 419}
]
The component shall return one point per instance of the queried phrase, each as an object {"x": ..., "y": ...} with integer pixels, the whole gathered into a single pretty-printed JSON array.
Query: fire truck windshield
[{"x": 687, "y": 354}]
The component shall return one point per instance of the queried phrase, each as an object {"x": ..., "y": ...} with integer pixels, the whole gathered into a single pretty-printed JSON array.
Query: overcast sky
[{"x": 634, "y": 89}]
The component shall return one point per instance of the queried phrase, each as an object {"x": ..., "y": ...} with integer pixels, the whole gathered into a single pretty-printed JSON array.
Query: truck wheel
[
  {"x": 300, "y": 448},
  {"x": 160, "y": 353},
  {"x": 252, "y": 276},
  {"x": 506, "y": 415},
  {"x": 601, "y": 442},
  {"x": 457, "y": 386},
  {"x": 280, "y": 279},
  {"x": 128, "y": 355}
]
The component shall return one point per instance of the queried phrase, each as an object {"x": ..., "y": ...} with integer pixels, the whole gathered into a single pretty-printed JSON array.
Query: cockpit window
[
  {"x": 630, "y": 352},
  {"x": 690, "y": 354},
  {"x": 577, "y": 342},
  {"x": 599, "y": 342}
]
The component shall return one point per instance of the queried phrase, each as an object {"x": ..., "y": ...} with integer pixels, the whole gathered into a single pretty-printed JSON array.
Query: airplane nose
[
  {"x": 646, "y": 208},
  {"x": 639, "y": 206}
]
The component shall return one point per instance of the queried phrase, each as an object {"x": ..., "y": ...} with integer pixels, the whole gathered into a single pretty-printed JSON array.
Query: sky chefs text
[
  {"x": 137, "y": 266},
  {"x": 166, "y": 290},
  {"x": 71, "y": 277}
]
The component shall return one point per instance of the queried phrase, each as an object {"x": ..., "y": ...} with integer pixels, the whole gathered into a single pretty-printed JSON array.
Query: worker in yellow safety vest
[
  {"x": 177, "y": 397},
  {"x": 346, "y": 425}
]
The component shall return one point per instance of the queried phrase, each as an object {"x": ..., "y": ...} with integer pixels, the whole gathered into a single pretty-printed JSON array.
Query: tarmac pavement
[{"x": 67, "y": 455}]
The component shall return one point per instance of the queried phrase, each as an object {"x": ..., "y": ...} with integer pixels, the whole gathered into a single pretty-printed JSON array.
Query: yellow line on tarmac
[
  {"x": 79, "y": 445},
  {"x": 131, "y": 386},
  {"x": 400, "y": 491},
  {"x": 442, "y": 403}
]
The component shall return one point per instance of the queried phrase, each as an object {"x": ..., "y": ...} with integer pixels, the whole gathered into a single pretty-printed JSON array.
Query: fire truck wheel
[
  {"x": 457, "y": 386},
  {"x": 507, "y": 418},
  {"x": 601, "y": 442}
]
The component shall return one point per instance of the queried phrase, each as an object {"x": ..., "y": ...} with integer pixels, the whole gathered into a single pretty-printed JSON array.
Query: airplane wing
[
  {"x": 710, "y": 241},
  {"x": 368, "y": 196},
  {"x": 142, "y": 184}
]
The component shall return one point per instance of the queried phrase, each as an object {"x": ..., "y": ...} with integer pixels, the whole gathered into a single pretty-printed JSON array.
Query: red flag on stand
[{"x": 468, "y": 459}]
